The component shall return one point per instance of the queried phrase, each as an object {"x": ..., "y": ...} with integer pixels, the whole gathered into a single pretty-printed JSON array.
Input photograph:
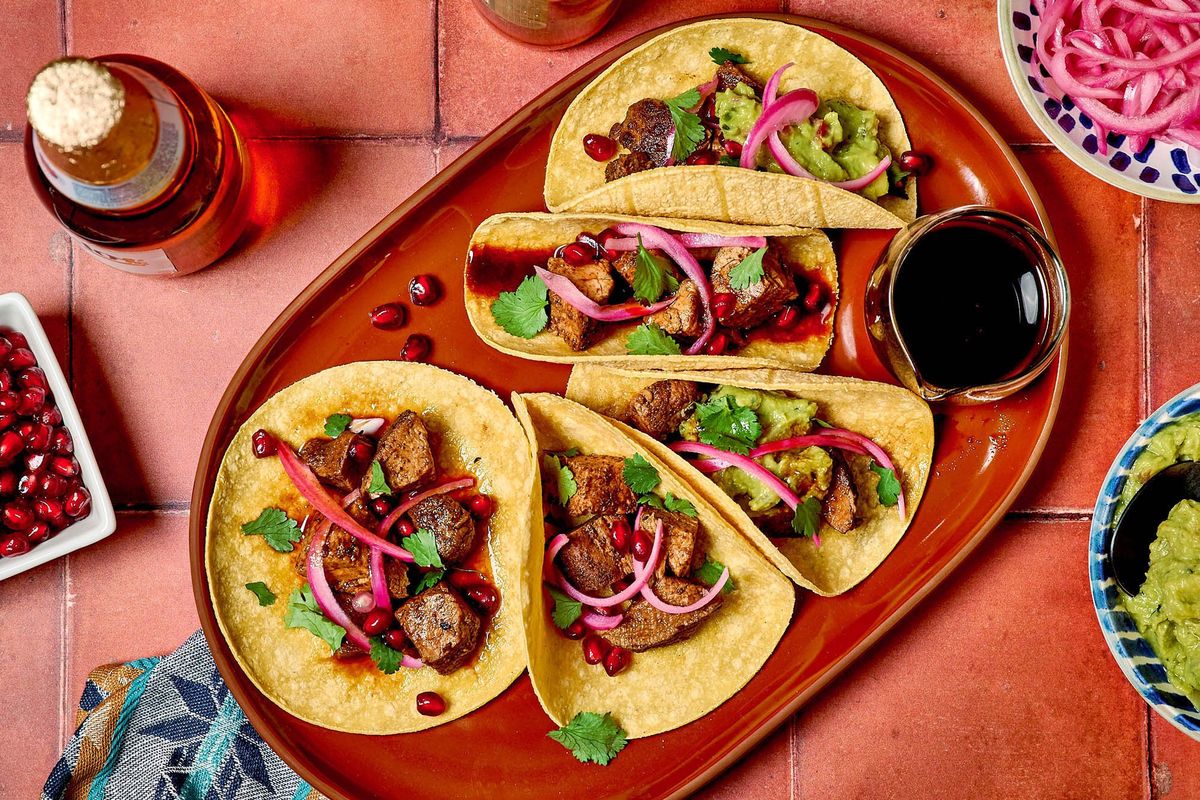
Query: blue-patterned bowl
[
  {"x": 1162, "y": 171},
  {"x": 1133, "y": 653}
]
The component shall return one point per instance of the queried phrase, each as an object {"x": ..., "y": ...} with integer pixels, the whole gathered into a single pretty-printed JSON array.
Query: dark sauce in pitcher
[{"x": 970, "y": 304}]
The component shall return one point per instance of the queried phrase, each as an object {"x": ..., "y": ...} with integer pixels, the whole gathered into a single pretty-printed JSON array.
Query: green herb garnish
[
  {"x": 748, "y": 271},
  {"x": 566, "y": 609},
  {"x": 808, "y": 518},
  {"x": 648, "y": 339},
  {"x": 591, "y": 737},
  {"x": 335, "y": 424},
  {"x": 387, "y": 659},
  {"x": 427, "y": 580},
  {"x": 278, "y": 529},
  {"x": 523, "y": 312},
  {"x": 640, "y": 474},
  {"x": 379, "y": 483},
  {"x": 563, "y": 479},
  {"x": 723, "y": 423},
  {"x": 669, "y": 502},
  {"x": 423, "y": 547},
  {"x": 720, "y": 55},
  {"x": 888, "y": 487},
  {"x": 689, "y": 131},
  {"x": 265, "y": 596},
  {"x": 710, "y": 572},
  {"x": 651, "y": 276},
  {"x": 303, "y": 612}
]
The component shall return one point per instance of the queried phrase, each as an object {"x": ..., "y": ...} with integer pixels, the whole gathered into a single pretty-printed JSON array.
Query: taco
[
  {"x": 823, "y": 474},
  {"x": 677, "y": 128},
  {"x": 640, "y": 586},
  {"x": 365, "y": 541},
  {"x": 566, "y": 287}
]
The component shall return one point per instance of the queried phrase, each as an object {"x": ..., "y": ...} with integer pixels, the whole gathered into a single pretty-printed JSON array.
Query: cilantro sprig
[
  {"x": 888, "y": 487},
  {"x": 264, "y": 594},
  {"x": 591, "y": 737},
  {"x": 303, "y": 612},
  {"x": 651, "y": 276},
  {"x": 423, "y": 547},
  {"x": 689, "y": 131},
  {"x": 563, "y": 480},
  {"x": 385, "y": 658},
  {"x": 648, "y": 339},
  {"x": 726, "y": 424},
  {"x": 428, "y": 580},
  {"x": 669, "y": 502},
  {"x": 720, "y": 55},
  {"x": 640, "y": 474},
  {"x": 807, "y": 520},
  {"x": 336, "y": 424},
  {"x": 522, "y": 312},
  {"x": 710, "y": 572},
  {"x": 566, "y": 609},
  {"x": 748, "y": 271},
  {"x": 279, "y": 530},
  {"x": 379, "y": 484}
]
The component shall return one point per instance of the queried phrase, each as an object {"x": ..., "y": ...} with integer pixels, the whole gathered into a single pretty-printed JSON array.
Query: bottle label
[
  {"x": 139, "y": 262},
  {"x": 152, "y": 180}
]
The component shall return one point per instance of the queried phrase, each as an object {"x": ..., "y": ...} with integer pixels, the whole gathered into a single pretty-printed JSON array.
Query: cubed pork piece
[
  {"x": 452, "y": 527},
  {"x": 442, "y": 627},
  {"x": 601, "y": 487},
  {"x": 647, "y": 128},
  {"x": 685, "y": 315},
  {"x": 730, "y": 75},
  {"x": 626, "y": 265},
  {"x": 589, "y": 560},
  {"x": 628, "y": 164},
  {"x": 758, "y": 301},
  {"x": 346, "y": 561},
  {"x": 404, "y": 454},
  {"x": 660, "y": 408},
  {"x": 840, "y": 506},
  {"x": 330, "y": 459},
  {"x": 645, "y": 626},
  {"x": 683, "y": 548},
  {"x": 596, "y": 282}
]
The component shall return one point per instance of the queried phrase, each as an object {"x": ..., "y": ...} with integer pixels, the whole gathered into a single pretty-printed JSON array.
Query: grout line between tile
[
  {"x": 1051, "y": 514},
  {"x": 1144, "y": 305},
  {"x": 13, "y": 136},
  {"x": 402, "y": 138},
  {"x": 62, "y": 26},
  {"x": 167, "y": 507}
]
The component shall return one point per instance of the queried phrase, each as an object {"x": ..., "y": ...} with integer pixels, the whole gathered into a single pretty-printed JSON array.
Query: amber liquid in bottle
[{"x": 164, "y": 191}]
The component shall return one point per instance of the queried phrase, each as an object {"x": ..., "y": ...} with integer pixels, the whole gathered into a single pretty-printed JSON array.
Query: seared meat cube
[
  {"x": 601, "y": 487},
  {"x": 840, "y": 508},
  {"x": 730, "y": 75},
  {"x": 348, "y": 652},
  {"x": 684, "y": 316},
  {"x": 753, "y": 304},
  {"x": 362, "y": 514},
  {"x": 596, "y": 282},
  {"x": 661, "y": 407},
  {"x": 645, "y": 626},
  {"x": 330, "y": 459},
  {"x": 451, "y": 525},
  {"x": 346, "y": 561},
  {"x": 626, "y": 265},
  {"x": 647, "y": 128},
  {"x": 682, "y": 544},
  {"x": 628, "y": 164},
  {"x": 589, "y": 560},
  {"x": 404, "y": 454},
  {"x": 441, "y": 626}
]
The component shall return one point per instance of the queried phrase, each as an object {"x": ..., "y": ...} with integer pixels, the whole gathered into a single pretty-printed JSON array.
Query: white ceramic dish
[{"x": 17, "y": 314}]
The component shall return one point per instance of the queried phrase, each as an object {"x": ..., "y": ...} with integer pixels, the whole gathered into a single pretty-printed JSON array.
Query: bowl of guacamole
[{"x": 1155, "y": 636}]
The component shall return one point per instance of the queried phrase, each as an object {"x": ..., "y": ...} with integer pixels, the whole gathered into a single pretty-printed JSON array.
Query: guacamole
[
  {"x": 1167, "y": 609},
  {"x": 1179, "y": 441}
]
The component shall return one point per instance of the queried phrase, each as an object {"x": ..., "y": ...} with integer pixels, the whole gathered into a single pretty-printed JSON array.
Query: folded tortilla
[
  {"x": 665, "y": 687},
  {"x": 897, "y": 420},
  {"x": 475, "y": 433},
  {"x": 678, "y": 61}
]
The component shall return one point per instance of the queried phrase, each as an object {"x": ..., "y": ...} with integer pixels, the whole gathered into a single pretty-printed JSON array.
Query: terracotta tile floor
[{"x": 998, "y": 686}]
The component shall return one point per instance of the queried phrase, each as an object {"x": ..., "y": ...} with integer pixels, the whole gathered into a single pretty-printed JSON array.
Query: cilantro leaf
[
  {"x": 888, "y": 487},
  {"x": 523, "y": 312},
  {"x": 710, "y": 572},
  {"x": 820, "y": 423},
  {"x": 424, "y": 548},
  {"x": 808, "y": 518},
  {"x": 729, "y": 161},
  {"x": 427, "y": 580},
  {"x": 591, "y": 737},
  {"x": 640, "y": 474},
  {"x": 648, "y": 339},
  {"x": 303, "y": 612},
  {"x": 566, "y": 609},
  {"x": 689, "y": 131},
  {"x": 280, "y": 531},
  {"x": 378, "y": 481},
  {"x": 679, "y": 505},
  {"x": 564, "y": 480},
  {"x": 264, "y": 594},
  {"x": 335, "y": 424},
  {"x": 570, "y": 452},
  {"x": 651, "y": 276},
  {"x": 387, "y": 659},
  {"x": 748, "y": 271},
  {"x": 720, "y": 55},
  {"x": 723, "y": 423}
]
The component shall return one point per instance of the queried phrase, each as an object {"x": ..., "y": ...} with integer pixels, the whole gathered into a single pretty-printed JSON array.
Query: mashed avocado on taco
[
  {"x": 639, "y": 585},
  {"x": 364, "y": 547},
  {"x": 824, "y": 474},
  {"x": 569, "y": 287},
  {"x": 750, "y": 121}
]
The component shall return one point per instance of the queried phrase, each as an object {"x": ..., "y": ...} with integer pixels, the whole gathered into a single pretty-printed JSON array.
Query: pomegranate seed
[
  {"x": 53, "y": 486},
  {"x": 424, "y": 290},
  {"x": 603, "y": 237},
  {"x": 60, "y": 522},
  {"x": 17, "y": 339},
  {"x": 387, "y": 316},
  {"x": 620, "y": 534},
  {"x": 416, "y": 348},
  {"x": 21, "y": 358},
  {"x": 37, "y": 437},
  {"x": 466, "y": 578},
  {"x": 599, "y": 147},
  {"x": 50, "y": 415},
  {"x": 34, "y": 376},
  {"x": 6, "y": 346},
  {"x": 914, "y": 162},
  {"x": 787, "y": 318},
  {"x": 381, "y": 506},
  {"x": 27, "y": 484},
  {"x": 405, "y": 528},
  {"x": 575, "y": 630},
  {"x": 733, "y": 149},
  {"x": 9, "y": 401},
  {"x": 6, "y": 380},
  {"x": 32, "y": 400},
  {"x": 8, "y": 483},
  {"x": 262, "y": 444},
  {"x": 34, "y": 462},
  {"x": 708, "y": 112},
  {"x": 642, "y": 545},
  {"x": 486, "y": 597},
  {"x": 578, "y": 255},
  {"x": 594, "y": 648},
  {"x": 61, "y": 442},
  {"x": 617, "y": 659},
  {"x": 702, "y": 157},
  {"x": 361, "y": 451},
  {"x": 378, "y": 621},
  {"x": 14, "y": 545},
  {"x": 481, "y": 506},
  {"x": 11, "y": 445},
  {"x": 621, "y": 585},
  {"x": 66, "y": 466},
  {"x": 78, "y": 502},
  {"x": 47, "y": 508},
  {"x": 430, "y": 704},
  {"x": 723, "y": 303},
  {"x": 717, "y": 345},
  {"x": 812, "y": 298},
  {"x": 587, "y": 239},
  {"x": 39, "y": 531},
  {"x": 7, "y": 418},
  {"x": 395, "y": 639},
  {"x": 17, "y": 517}
]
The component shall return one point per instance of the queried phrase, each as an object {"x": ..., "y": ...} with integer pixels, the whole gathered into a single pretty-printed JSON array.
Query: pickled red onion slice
[
  {"x": 654, "y": 600},
  {"x": 572, "y": 296},
  {"x": 795, "y": 106},
  {"x": 756, "y": 470},
  {"x": 379, "y": 588},
  {"x": 560, "y": 541},
  {"x": 599, "y": 622}
]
